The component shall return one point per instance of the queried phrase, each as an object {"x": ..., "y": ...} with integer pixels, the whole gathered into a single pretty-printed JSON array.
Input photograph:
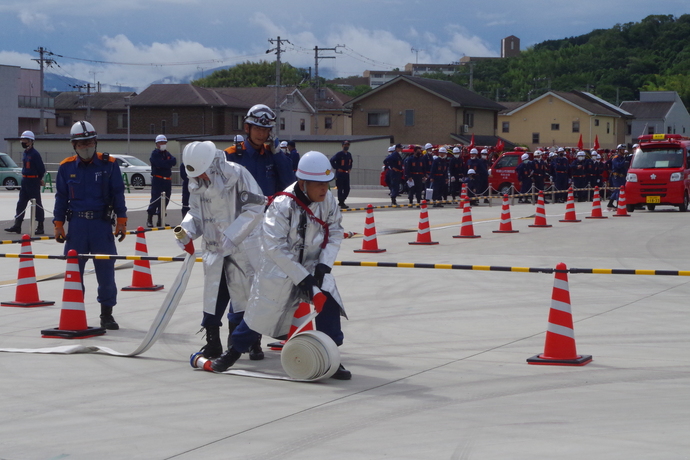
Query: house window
[
  {"x": 378, "y": 118},
  {"x": 555, "y": 126},
  {"x": 152, "y": 129},
  {"x": 409, "y": 117},
  {"x": 282, "y": 124},
  {"x": 629, "y": 129},
  {"x": 608, "y": 127},
  {"x": 469, "y": 119},
  {"x": 650, "y": 130},
  {"x": 237, "y": 122},
  {"x": 176, "y": 119},
  {"x": 668, "y": 130},
  {"x": 328, "y": 122},
  {"x": 63, "y": 120},
  {"x": 302, "y": 124},
  {"x": 596, "y": 122},
  {"x": 506, "y": 127},
  {"x": 535, "y": 138},
  {"x": 576, "y": 126},
  {"x": 162, "y": 126},
  {"x": 122, "y": 121}
]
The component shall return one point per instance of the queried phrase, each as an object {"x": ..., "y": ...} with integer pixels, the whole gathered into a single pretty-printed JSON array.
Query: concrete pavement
[{"x": 437, "y": 356}]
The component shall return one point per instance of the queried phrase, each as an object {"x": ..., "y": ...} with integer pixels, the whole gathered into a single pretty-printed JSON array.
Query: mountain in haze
[{"x": 59, "y": 83}]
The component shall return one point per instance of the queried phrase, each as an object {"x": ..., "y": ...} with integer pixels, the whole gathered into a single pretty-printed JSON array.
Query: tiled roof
[
  {"x": 70, "y": 100},
  {"x": 657, "y": 110}
]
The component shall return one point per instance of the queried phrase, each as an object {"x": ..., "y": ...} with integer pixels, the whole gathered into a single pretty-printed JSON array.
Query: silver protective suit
[
  {"x": 274, "y": 294},
  {"x": 230, "y": 228}
]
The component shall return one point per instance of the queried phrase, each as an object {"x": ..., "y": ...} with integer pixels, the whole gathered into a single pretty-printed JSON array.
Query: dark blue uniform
[
  {"x": 415, "y": 169},
  {"x": 273, "y": 172},
  {"x": 524, "y": 174},
  {"x": 32, "y": 174},
  {"x": 439, "y": 175},
  {"x": 293, "y": 155},
  {"x": 456, "y": 171},
  {"x": 84, "y": 192},
  {"x": 342, "y": 164},
  {"x": 579, "y": 172},
  {"x": 481, "y": 181},
  {"x": 596, "y": 173},
  {"x": 618, "y": 172},
  {"x": 161, "y": 172},
  {"x": 394, "y": 165},
  {"x": 539, "y": 171},
  {"x": 561, "y": 169}
]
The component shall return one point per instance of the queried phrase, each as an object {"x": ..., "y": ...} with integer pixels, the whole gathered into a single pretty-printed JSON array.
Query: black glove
[
  {"x": 319, "y": 272},
  {"x": 307, "y": 285}
]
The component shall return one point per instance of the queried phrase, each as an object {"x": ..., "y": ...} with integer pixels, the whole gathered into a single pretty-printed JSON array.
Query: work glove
[
  {"x": 121, "y": 228},
  {"x": 319, "y": 272},
  {"x": 307, "y": 286},
  {"x": 59, "y": 231}
]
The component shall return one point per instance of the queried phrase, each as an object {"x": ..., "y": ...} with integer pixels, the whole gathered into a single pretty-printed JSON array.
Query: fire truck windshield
[{"x": 658, "y": 158}]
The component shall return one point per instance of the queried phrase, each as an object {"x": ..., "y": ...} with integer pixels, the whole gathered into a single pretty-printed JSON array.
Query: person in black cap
[{"x": 342, "y": 163}]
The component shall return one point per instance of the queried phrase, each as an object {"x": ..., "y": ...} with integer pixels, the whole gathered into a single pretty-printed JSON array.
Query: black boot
[
  {"x": 158, "y": 224},
  {"x": 213, "y": 347},
  {"x": 107, "y": 320},
  {"x": 226, "y": 360},
  {"x": 255, "y": 351},
  {"x": 610, "y": 205},
  {"x": 393, "y": 202},
  {"x": 39, "y": 228},
  {"x": 149, "y": 221},
  {"x": 16, "y": 228},
  {"x": 232, "y": 327},
  {"x": 342, "y": 374}
]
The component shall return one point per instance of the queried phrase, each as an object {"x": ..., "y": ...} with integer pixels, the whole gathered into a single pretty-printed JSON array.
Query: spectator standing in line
[{"x": 33, "y": 171}]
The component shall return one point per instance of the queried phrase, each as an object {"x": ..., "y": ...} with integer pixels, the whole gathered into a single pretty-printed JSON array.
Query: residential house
[
  {"x": 416, "y": 110},
  {"x": 657, "y": 112},
  {"x": 96, "y": 107},
  {"x": 558, "y": 118}
]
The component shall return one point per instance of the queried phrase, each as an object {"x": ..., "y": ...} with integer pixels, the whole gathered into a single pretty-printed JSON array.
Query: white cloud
[
  {"x": 17, "y": 59},
  {"x": 36, "y": 20}
]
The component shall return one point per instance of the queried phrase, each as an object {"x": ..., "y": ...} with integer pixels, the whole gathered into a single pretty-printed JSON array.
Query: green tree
[{"x": 256, "y": 74}]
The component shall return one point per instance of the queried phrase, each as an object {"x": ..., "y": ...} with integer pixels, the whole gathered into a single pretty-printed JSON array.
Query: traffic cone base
[
  {"x": 55, "y": 333},
  {"x": 505, "y": 231},
  {"x": 27, "y": 290},
  {"x": 581, "y": 360},
  {"x": 40, "y": 303},
  {"x": 540, "y": 226},
  {"x": 467, "y": 236},
  {"x": 141, "y": 275},
  {"x": 370, "y": 250}
]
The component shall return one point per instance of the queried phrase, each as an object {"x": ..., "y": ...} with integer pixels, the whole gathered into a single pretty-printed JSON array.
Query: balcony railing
[{"x": 34, "y": 102}]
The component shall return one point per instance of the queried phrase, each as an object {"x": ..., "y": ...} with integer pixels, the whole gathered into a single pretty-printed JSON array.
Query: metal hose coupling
[
  {"x": 252, "y": 198},
  {"x": 184, "y": 238}
]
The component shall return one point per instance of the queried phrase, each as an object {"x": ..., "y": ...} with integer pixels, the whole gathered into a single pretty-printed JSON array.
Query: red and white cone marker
[
  {"x": 369, "y": 243},
  {"x": 506, "y": 225},
  {"x": 303, "y": 310},
  {"x": 622, "y": 210},
  {"x": 559, "y": 348},
  {"x": 463, "y": 196},
  {"x": 570, "y": 215},
  {"x": 467, "y": 229},
  {"x": 596, "y": 206},
  {"x": 141, "y": 276},
  {"x": 540, "y": 216},
  {"x": 424, "y": 232},
  {"x": 26, "y": 294},
  {"x": 73, "y": 314}
]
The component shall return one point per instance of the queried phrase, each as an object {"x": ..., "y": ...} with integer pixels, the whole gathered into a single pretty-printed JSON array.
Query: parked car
[
  {"x": 138, "y": 172},
  {"x": 10, "y": 173}
]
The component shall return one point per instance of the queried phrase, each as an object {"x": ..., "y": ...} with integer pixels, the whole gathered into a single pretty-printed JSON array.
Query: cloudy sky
[{"x": 135, "y": 42}]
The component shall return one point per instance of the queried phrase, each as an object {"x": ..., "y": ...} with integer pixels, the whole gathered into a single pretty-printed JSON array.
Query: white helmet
[
  {"x": 283, "y": 144},
  {"x": 314, "y": 166},
  {"x": 456, "y": 150},
  {"x": 552, "y": 154},
  {"x": 28, "y": 135},
  {"x": 581, "y": 153},
  {"x": 485, "y": 152},
  {"x": 474, "y": 152},
  {"x": 82, "y": 130},
  {"x": 471, "y": 171},
  {"x": 261, "y": 115},
  {"x": 635, "y": 146},
  {"x": 524, "y": 157},
  {"x": 561, "y": 149},
  {"x": 621, "y": 147},
  {"x": 391, "y": 148},
  {"x": 596, "y": 156},
  {"x": 197, "y": 157},
  {"x": 442, "y": 150},
  {"x": 428, "y": 146},
  {"x": 538, "y": 153},
  {"x": 594, "y": 152},
  {"x": 161, "y": 138},
  {"x": 239, "y": 138}
]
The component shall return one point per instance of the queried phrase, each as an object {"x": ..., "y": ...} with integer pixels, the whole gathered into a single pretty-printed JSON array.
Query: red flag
[
  {"x": 472, "y": 142},
  {"x": 500, "y": 145},
  {"x": 580, "y": 145},
  {"x": 596, "y": 142}
]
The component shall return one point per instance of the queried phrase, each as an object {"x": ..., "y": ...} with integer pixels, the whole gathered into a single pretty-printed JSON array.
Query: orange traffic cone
[
  {"x": 622, "y": 210},
  {"x": 596, "y": 206},
  {"x": 506, "y": 225},
  {"x": 424, "y": 232},
  {"x": 467, "y": 229},
  {"x": 540, "y": 216},
  {"x": 570, "y": 209},
  {"x": 141, "y": 276},
  {"x": 73, "y": 314},
  {"x": 369, "y": 243},
  {"x": 463, "y": 196},
  {"x": 559, "y": 349},
  {"x": 27, "y": 290},
  {"x": 303, "y": 310}
]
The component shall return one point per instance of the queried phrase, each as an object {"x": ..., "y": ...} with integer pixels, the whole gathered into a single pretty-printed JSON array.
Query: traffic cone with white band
[
  {"x": 570, "y": 215},
  {"x": 73, "y": 314},
  {"x": 369, "y": 243},
  {"x": 26, "y": 294},
  {"x": 424, "y": 232},
  {"x": 559, "y": 348},
  {"x": 466, "y": 228},
  {"x": 506, "y": 225},
  {"x": 141, "y": 276},
  {"x": 540, "y": 216},
  {"x": 622, "y": 210},
  {"x": 596, "y": 206}
]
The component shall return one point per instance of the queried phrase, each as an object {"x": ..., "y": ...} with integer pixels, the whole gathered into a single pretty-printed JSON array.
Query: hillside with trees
[{"x": 615, "y": 64}]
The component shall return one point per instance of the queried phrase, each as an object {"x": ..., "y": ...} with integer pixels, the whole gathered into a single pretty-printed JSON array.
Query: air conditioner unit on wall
[{"x": 465, "y": 128}]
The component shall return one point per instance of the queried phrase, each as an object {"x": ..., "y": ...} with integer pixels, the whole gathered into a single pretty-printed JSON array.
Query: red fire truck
[
  {"x": 502, "y": 173},
  {"x": 659, "y": 173}
]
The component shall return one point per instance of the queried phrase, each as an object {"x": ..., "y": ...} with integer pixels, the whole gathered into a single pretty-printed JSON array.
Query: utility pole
[
  {"x": 416, "y": 51},
  {"x": 277, "y": 49},
  {"x": 317, "y": 84},
  {"x": 42, "y": 61}
]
